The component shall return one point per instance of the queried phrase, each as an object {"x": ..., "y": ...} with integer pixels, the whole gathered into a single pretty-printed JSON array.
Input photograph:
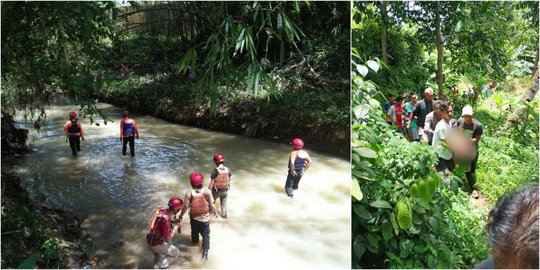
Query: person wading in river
[
  {"x": 128, "y": 132},
  {"x": 161, "y": 232},
  {"x": 74, "y": 132},
  {"x": 220, "y": 182},
  {"x": 299, "y": 162},
  {"x": 199, "y": 202}
]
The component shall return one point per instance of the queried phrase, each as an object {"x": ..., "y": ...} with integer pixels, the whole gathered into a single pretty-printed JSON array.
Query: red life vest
[
  {"x": 222, "y": 178},
  {"x": 153, "y": 236},
  {"x": 198, "y": 204},
  {"x": 399, "y": 114}
]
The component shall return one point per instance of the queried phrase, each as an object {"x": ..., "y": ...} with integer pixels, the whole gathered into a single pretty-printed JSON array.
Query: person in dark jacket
[{"x": 419, "y": 112}]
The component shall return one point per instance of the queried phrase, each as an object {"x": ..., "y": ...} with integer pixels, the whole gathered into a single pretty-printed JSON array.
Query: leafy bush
[{"x": 404, "y": 214}]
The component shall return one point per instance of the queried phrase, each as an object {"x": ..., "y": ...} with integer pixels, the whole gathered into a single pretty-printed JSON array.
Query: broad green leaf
[
  {"x": 373, "y": 240},
  {"x": 359, "y": 246},
  {"x": 365, "y": 152},
  {"x": 363, "y": 70},
  {"x": 498, "y": 100},
  {"x": 29, "y": 263},
  {"x": 381, "y": 204},
  {"x": 356, "y": 192},
  {"x": 373, "y": 65},
  {"x": 361, "y": 211},
  {"x": 387, "y": 230}
]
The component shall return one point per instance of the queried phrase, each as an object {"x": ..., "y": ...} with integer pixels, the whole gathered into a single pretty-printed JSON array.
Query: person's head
[
  {"x": 390, "y": 98},
  {"x": 297, "y": 143},
  {"x": 72, "y": 115},
  {"x": 219, "y": 159},
  {"x": 399, "y": 99},
  {"x": 125, "y": 114},
  {"x": 513, "y": 229},
  {"x": 196, "y": 180},
  {"x": 467, "y": 114},
  {"x": 413, "y": 97},
  {"x": 446, "y": 110},
  {"x": 428, "y": 94},
  {"x": 175, "y": 204},
  {"x": 437, "y": 108}
]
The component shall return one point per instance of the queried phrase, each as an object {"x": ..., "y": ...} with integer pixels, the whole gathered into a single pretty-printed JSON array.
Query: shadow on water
[{"x": 117, "y": 194}]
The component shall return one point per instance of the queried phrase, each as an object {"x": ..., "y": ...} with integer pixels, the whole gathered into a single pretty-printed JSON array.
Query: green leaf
[
  {"x": 365, "y": 152},
  {"x": 356, "y": 192},
  {"x": 373, "y": 239},
  {"x": 373, "y": 65},
  {"x": 387, "y": 230},
  {"x": 359, "y": 246},
  {"x": 361, "y": 211},
  {"x": 29, "y": 263},
  {"x": 498, "y": 100},
  {"x": 381, "y": 204}
]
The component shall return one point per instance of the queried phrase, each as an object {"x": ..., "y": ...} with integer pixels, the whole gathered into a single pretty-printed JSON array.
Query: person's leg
[
  {"x": 223, "y": 200},
  {"x": 78, "y": 143},
  {"x": 72, "y": 145},
  {"x": 195, "y": 228},
  {"x": 168, "y": 254},
  {"x": 296, "y": 180},
  {"x": 206, "y": 239},
  {"x": 124, "y": 145},
  {"x": 288, "y": 185},
  {"x": 132, "y": 146}
]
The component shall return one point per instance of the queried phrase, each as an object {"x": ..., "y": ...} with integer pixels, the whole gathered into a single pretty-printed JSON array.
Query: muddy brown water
[{"x": 117, "y": 194}]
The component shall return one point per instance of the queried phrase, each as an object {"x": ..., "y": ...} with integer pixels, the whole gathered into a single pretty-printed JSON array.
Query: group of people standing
[
  {"x": 166, "y": 222},
  {"x": 74, "y": 133},
  {"x": 431, "y": 121}
]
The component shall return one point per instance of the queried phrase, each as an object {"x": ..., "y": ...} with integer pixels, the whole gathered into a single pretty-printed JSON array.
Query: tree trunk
[
  {"x": 439, "y": 44},
  {"x": 518, "y": 115},
  {"x": 384, "y": 32}
]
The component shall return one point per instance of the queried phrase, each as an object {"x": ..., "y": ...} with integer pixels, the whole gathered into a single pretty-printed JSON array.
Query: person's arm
[
  {"x": 122, "y": 129},
  {"x": 210, "y": 198},
  {"x": 212, "y": 179},
  {"x": 66, "y": 128},
  {"x": 478, "y": 132},
  {"x": 392, "y": 115},
  {"x": 427, "y": 124},
  {"x": 187, "y": 199},
  {"x": 292, "y": 158},
  {"x": 80, "y": 127},
  {"x": 135, "y": 128},
  {"x": 308, "y": 159},
  {"x": 413, "y": 115}
]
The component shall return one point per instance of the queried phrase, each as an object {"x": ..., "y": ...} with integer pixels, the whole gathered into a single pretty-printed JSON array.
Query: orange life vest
[
  {"x": 222, "y": 178},
  {"x": 198, "y": 204}
]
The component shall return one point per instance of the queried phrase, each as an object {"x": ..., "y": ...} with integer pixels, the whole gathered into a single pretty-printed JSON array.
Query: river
[{"x": 117, "y": 194}]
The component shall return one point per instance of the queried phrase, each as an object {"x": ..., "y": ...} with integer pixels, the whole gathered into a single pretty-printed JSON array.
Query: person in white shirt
[{"x": 440, "y": 136}]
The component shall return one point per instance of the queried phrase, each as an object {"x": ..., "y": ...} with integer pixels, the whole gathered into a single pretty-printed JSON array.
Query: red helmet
[
  {"x": 218, "y": 158},
  {"x": 125, "y": 114},
  {"x": 72, "y": 115},
  {"x": 175, "y": 203},
  {"x": 297, "y": 144},
  {"x": 196, "y": 179}
]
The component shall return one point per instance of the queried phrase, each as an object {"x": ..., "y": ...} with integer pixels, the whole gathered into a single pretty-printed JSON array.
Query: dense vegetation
[
  {"x": 241, "y": 67},
  {"x": 437, "y": 225}
]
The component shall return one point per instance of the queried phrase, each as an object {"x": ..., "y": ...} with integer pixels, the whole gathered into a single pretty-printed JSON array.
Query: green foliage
[
  {"x": 393, "y": 224},
  {"x": 29, "y": 263},
  {"x": 51, "y": 250},
  {"x": 44, "y": 53}
]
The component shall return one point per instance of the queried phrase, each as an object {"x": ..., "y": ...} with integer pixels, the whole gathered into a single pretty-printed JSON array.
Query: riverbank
[
  {"x": 318, "y": 115},
  {"x": 31, "y": 227}
]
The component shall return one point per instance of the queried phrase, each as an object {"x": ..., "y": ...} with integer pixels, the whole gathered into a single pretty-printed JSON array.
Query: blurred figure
[
  {"x": 474, "y": 130},
  {"x": 412, "y": 127},
  {"x": 387, "y": 106},
  {"x": 396, "y": 115},
  {"x": 513, "y": 230},
  {"x": 74, "y": 132},
  {"x": 37, "y": 126}
]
